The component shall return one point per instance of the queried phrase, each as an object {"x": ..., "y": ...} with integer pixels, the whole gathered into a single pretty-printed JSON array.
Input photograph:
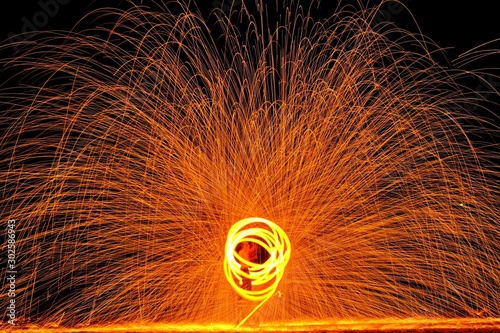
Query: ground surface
[{"x": 463, "y": 325}]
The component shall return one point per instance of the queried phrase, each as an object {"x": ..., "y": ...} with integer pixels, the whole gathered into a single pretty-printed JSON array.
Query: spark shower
[{"x": 129, "y": 150}]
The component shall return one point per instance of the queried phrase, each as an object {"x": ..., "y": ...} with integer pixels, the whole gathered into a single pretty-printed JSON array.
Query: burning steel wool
[
  {"x": 161, "y": 169},
  {"x": 244, "y": 272}
]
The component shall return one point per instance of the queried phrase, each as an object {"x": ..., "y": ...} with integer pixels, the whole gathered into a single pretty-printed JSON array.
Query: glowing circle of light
[{"x": 265, "y": 276}]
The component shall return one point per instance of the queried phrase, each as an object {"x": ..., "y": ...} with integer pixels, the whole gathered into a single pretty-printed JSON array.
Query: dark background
[
  {"x": 455, "y": 26},
  {"x": 461, "y": 25}
]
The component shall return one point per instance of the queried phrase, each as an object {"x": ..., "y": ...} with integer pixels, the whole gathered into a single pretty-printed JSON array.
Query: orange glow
[
  {"x": 128, "y": 152},
  {"x": 374, "y": 325},
  {"x": 266, "y": 276}
]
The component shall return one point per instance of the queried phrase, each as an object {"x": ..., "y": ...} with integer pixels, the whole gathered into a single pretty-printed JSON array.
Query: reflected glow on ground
[{"x": 420, "y": 324}]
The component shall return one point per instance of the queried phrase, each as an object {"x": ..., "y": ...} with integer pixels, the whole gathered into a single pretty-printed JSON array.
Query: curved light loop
[{"x": 264, "y": 277}]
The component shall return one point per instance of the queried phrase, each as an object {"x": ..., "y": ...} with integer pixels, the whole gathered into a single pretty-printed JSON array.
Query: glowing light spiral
[{"x": 264, "y": 276}]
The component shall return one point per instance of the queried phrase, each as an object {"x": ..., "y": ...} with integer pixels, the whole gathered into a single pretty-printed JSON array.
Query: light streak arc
[{"x": 263, "y": 276}]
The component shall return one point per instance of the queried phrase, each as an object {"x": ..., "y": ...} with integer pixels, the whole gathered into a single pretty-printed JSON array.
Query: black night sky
[
  {"x": 450, "y": 23},
  {"x": 455, "y": 26}
]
